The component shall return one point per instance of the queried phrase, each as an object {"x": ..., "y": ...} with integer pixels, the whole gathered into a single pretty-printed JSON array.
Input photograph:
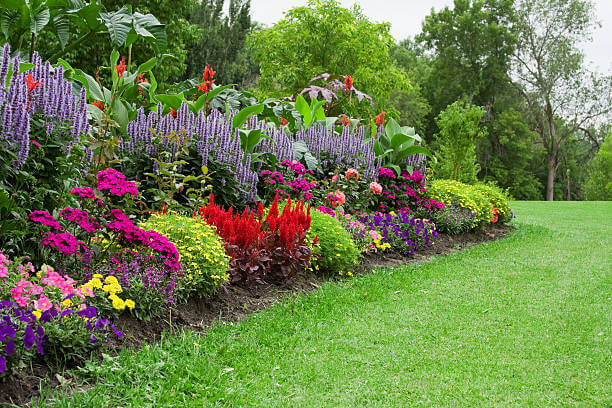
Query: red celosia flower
[
  {"x": 283, "y": 122},
  {"x": 348, "y": 83},
  {"x": 380, "y": 119},
  {"x": 173, "y": 113},
  {"x": 121, "y": 67},
  {"x": 345, "y": 121},
  {"x": 32, "y": 84},
  {"x": 99, "y": 105}
]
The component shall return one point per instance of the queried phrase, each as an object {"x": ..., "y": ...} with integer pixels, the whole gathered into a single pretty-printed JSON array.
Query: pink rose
[
  {"x": 340, "y": 197},
  {"x": 352, "y": 173},
  {"x": 375, "y": 188}
]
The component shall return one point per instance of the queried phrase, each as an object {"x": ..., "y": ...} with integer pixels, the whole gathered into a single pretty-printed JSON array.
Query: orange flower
[
  {"x": 380, "y": 119},
  {"x": 283, "y": 122},
  {"x": 32, "y": 84},
  {"x": 173, "y": 113},
  {"x": 345, "y": 121}
]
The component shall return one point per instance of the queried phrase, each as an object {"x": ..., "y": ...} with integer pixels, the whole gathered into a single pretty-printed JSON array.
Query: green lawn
[{"x": 521, "y": 322}]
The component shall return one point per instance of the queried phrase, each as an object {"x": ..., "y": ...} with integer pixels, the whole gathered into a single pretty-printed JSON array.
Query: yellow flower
[
  {"x": 111, "y": 280},
  {"x": 67, "y": 303},
  {"x": 96, "y": 283},
  {"x": 97, "y": 275},
  {"x": 37, "y": 313},
  {"x": 117, "y": 302},
  {"x": 129, "y": 303}
]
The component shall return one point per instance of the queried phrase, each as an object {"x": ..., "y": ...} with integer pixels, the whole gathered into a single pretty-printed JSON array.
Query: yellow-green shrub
[
  {"x": 202, "y": 252},
  {"x": 479, "y": 199},
  {"x": 337, "y": 251},
  {"x": 498, "y": 198}
]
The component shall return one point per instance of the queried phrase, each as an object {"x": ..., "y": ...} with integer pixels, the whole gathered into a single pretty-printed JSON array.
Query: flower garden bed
[{"x": 231, "y": 304}]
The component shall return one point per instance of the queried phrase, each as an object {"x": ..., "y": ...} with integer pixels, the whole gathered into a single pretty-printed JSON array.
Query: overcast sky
[{"x": 406, "y": 17}]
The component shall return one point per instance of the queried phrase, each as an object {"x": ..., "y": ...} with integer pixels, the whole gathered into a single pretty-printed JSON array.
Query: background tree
[
  {"x": 549, "y": 69},
  {"x": 222, "y": 41},
  {"x": 324, "y": 37},
  {"x": 459, "y": 127},
  {"x": 599, "y": 184}
]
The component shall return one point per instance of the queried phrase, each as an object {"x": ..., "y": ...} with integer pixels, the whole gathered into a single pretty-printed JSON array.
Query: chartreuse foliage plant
[
  {"x": 337, "y": 253},
  {"x": 202, "y": 252},
  {"x": 481, "y": 199}
]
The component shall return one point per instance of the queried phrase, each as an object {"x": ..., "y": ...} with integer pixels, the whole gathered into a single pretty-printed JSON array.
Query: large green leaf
[
  {"x": 173, "y": 101},
  {"x": 147, "y": 26},
  {"x": 119, "y": 24},
  {"x": 38, "y": 20},
  {"x": 215, "y": 91},
  {"x": 245, "y": 113},
  {"x": 413, "y": 150},
  {"x": 147, "y": 66},
  {"x": 120, "y": 113},
  {"x": 302, "y": 106},
  {"x": 62, "y": 29},
  {"x": 399, "y": 139}
]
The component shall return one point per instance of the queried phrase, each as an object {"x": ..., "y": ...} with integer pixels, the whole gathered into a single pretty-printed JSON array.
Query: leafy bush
[
  {"x": 480, "y": 200},
  {"x": 599, "y": 184},
  {"x": 406, "y": 191},
  {"x": 337, "y": 253},
  {"x": 402, "y": 232},
  {"x": 262, "y": 249},
  {"x": 452, "y": 219},
  {"x": 202, "y": 252}
]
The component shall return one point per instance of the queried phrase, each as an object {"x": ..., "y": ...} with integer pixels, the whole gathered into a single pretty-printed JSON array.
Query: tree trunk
[{"x": 550, "y": 182}]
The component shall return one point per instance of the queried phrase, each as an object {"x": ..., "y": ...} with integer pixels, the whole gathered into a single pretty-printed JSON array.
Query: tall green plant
[
  {"x": 396, "y": 144},
  {"x": 459, "y": 127}
]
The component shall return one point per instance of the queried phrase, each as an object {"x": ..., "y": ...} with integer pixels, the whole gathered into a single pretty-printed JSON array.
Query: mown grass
[{"x": 520, "y": 322}]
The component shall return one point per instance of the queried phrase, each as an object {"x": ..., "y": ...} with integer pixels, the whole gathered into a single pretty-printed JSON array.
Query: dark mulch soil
[{"x": 230, "y": 303}]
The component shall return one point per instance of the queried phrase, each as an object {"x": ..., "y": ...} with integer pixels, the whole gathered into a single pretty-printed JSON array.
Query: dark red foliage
[{"x": 270, "y": 249}]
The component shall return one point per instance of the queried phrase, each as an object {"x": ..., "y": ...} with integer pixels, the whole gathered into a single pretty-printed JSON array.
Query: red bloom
[
  {"x": 283, "y": 122},
  {"x": 99, "y": 105},
  {"x": 203, "y": 87},
  {"x": 380, "y": 119},
  {"x": 345, "y": 121},
  {"x": 32, "y": 84},
  {"x": 141, "y": 79},
  {"x": 348, "y": 83},
  {"x": 121, "y": 67},
  {"x": 208, "y": 80},
  {"x": 173, "y": 113}
]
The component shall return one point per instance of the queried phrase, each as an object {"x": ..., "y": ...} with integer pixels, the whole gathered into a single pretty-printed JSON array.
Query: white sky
[{"x": 406, "y": 17}]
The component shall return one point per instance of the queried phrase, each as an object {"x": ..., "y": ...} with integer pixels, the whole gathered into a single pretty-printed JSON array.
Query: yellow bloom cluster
[
  {"x": 202, "y": 252},
  {"x": 478, "y": 198},
  {"x": 381, "y": 245},
  {"x": 110, "y": 286}
]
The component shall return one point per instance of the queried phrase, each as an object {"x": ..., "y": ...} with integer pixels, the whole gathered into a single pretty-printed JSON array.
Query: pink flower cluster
[
  {"x": 4, "y": 263},
  {"x": 81, "y": 217},
  {"x": 65, "y": 242},
  {"x": 296, "y": 166},
  {"x": 383, "y": 171},
  {"x": 26, "y": 292},
  {"x": 83, "y": 192},
  {"x": 150, "y": 239},
  {"x": 44, "y": 218},
  {"x": 298, "y": 185},
  {"x": 115, "y": 182}
]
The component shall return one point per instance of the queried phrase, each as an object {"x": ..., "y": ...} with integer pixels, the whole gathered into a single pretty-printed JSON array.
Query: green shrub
[
  {"x": 479, "y": 199},
  {"x": 337, "y": 251},
  {"x": 202, "y": 252}
]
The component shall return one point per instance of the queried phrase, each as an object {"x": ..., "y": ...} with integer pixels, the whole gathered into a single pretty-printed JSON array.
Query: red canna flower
[
  {"x": 380, "y": 119},
  {"x": 283, "y": 122},
  {"x": 345, "y": 121},
  {"x": 32, "y": 84},
  {"x": 121, "y": 67},
  {"x": 173, "y": 113},
  {"x": 141, "y": 79},
  {"x": 348, "y": 83},
  {"x": 99, "y": 105},
  {"x": 203, "y": 87}
]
